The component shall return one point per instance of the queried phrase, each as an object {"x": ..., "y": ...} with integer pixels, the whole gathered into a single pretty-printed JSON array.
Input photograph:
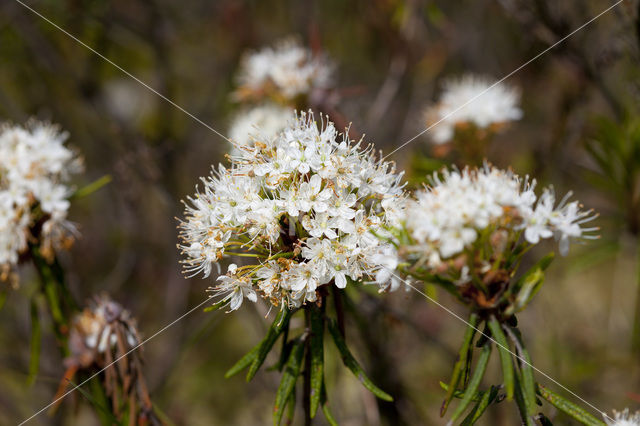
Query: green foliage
[
  {"x": 244, "y": 362},
  {"x": 91, "y": 188},
  {"x": 475, "y": 381},
  {"x": 568, "y": 407},
  {"x": 505, "y": 355},
  {"x": 279, "y": 324},
  {"x": 461, "y": 362},
  {"x": 353, "y": 366},
  {"x": 289, "y": 377},
  {"x": 485, "y": 399}
]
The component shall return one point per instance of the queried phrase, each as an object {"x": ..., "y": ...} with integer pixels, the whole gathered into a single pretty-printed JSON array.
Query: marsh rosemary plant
[
  {"x": 468, "y": 232},
  {"x": 301, "y": 208}
]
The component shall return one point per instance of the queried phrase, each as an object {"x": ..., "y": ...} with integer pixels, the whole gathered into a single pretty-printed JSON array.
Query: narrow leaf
[
  {"x": 528, "y": 381},
  {"x": 325, "y": 407},
  {"x": 541, "y": 265},
  {"x": 288, "y": 382},
  {"x": 317, "y": 359},
  {"x": 530, "y": 286},
  {"x": 244, "y": 362},
  {"x": 91, "y": 188},
  {"x": 474, "y": 383},
  {"x": 460, "y": 363},
  {"x": 460, "y": 393},
  {"x": 351, "y": 363},
  {"x": 278, "y": 325},
  {"x": 478, "y": 410},
  {"x": 505, "y": 356},
  {"x": 291, "y": 407},
  {"x": 521, "y": 403},
  {"x": 569, "y": 408},
  {"x": 36, "y": 342}
]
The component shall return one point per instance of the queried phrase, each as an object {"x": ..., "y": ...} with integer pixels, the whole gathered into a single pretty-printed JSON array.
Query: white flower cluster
[
  {"x": 475, "y": 100},
  {"x": 623, "y": 418},
  {"x": 288, "y": 68},
  {"x": 451, "y": 214},
  {"x": 35, "y": 167},
  {"x": 305, "y": 204},
  {"x": 266, "y": 120}
]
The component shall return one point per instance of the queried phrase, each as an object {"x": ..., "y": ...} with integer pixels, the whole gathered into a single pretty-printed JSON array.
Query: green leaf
[
  {"x": 288, "y": 382},
  {"x": 521, "y": 403},
  {"x": 487, "y": 397},
  {"x": 535, "y": 271},
  {"x": 317, "y": 358},
  {"x": 351, "y": 363},
  {"x": 244, "y": 362},
  {"x": 505, "y": 356},
  {"x": 568, "y": 407},
  {"x": 526, "y": 369},
  {"x": 474, "y": 383},
  {"x": 91, "y": 188},
  {"x": 291, "y": 407},
  {"x": 530, "y": 287},
  {"x": 278, "y": 325},
  {"x": 460, "y": 363},
  {"x": 325, "y": 408},
  {"x": 36, "y": 342},
  {"x": 460, "y": 393}
]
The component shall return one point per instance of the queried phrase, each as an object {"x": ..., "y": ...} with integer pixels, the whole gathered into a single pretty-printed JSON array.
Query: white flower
[
  {"x": 233, "y": 289},
  {"x": 304, "y": 276},
  {"x": 308, "y": 197},
  {"x": 320, "y": 251},
  {"x": 472, "y": 99},
  {"x": 35, "y": 167},
  {"x": 312, "y": 197},
  {"x": 261, "y": 122},
  {"x": 623, "y": 418},
  {"x": 321, "y": 224},
  {"x": 288, "y": 68}
]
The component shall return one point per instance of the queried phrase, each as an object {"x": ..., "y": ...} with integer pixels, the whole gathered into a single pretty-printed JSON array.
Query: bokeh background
[{"x": 391, "y": 57}]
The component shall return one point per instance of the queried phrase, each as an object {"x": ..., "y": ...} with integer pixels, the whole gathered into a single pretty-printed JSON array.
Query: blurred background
[{"x": 579, "y": 131}]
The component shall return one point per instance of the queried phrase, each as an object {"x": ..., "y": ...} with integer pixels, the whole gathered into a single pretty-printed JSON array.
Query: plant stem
[{"x": 60, "y": 303}]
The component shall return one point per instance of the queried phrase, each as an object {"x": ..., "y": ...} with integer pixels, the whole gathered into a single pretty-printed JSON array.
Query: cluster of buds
[
  {"x": 105, "y": 334},
  {"x": 305, "y": 204},
  {"x": 35, "y": 167}
]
